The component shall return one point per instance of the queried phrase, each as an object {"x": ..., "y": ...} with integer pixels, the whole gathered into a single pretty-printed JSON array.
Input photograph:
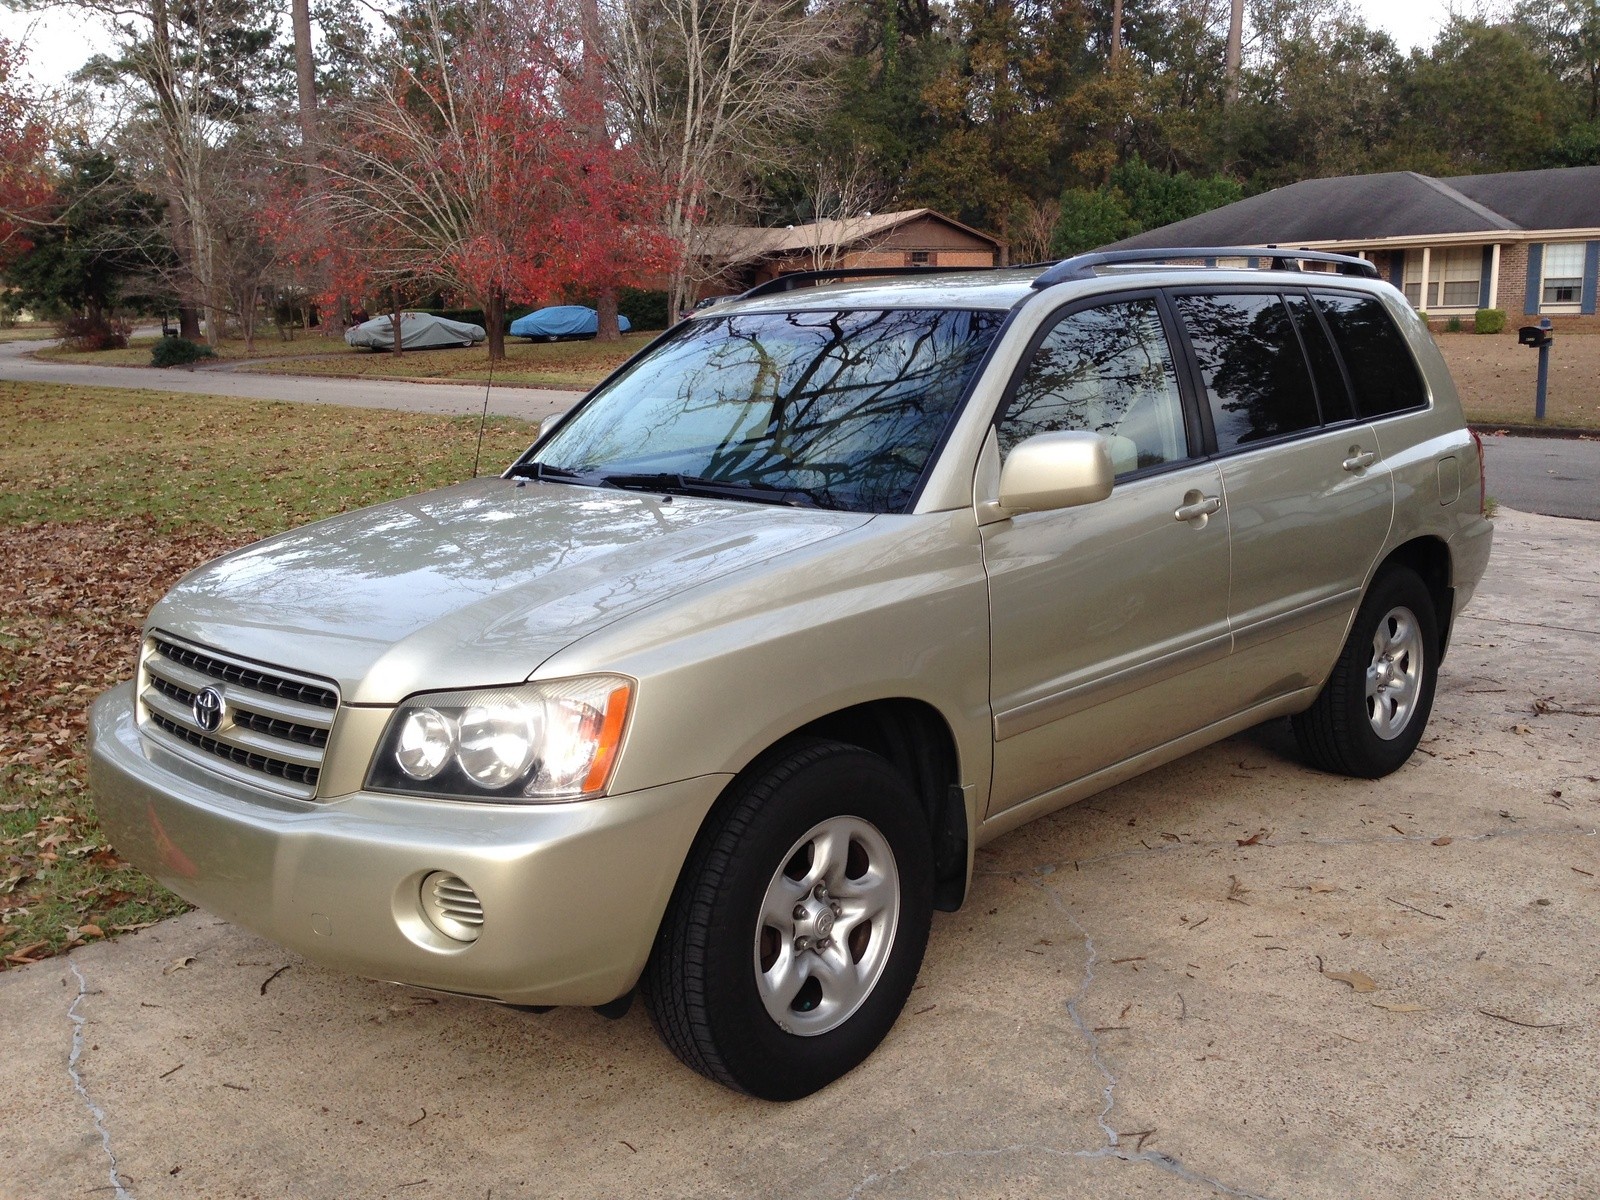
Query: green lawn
[
  {"x": 137, "y": 352},
  {"x": 27, "y": 332},
  {"x": 107, "y": 495},
  {"x": 576, "y": 365}
]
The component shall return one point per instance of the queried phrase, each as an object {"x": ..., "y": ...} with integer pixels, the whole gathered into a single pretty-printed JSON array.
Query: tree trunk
[
  {"x": 394, "y": 320},
  {"x": 1116, "y": 33},
  {"x": 305, "y": 82},
  {"x": 605, "y": 307},
  {"x": 494, "y": 321},
  {"x": 591, "y": 119},
  {"x": 188, "y": 322},
  {"x": 305, "y": 79},
  {"x": 1235, "y": 49}
]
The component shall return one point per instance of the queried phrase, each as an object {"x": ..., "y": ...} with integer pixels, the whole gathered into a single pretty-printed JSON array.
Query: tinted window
[
  {"x": 845, "y": 406},
  {"x": 1333, "y": 398},
  {"x": 1382, "y": 371},
  {"x": 1254, "y": 374},
  {"x": 1105, "y": 370}
]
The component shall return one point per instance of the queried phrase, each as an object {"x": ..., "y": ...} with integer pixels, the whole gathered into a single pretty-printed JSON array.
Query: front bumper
[{"x": 572, "y": 894}]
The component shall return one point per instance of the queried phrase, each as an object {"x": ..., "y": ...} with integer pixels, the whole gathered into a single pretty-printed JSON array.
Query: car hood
[{"x": 471, "y": 585}]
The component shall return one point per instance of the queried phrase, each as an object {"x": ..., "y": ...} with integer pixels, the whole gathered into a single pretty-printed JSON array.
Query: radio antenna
[{"x": 483, "y": 420}]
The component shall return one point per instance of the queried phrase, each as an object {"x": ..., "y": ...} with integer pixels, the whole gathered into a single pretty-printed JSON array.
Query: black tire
[
  {"x": 720, "y": 969},
  {"x": 1369, "y": 732}
]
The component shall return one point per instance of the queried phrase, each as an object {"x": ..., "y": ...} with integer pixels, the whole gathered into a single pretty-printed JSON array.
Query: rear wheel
[
  {"x": 798, "y": 928},
  {"x": 1373, "y": 710}
]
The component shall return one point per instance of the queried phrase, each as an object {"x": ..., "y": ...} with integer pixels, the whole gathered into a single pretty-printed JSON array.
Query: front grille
[
  {"x": 274, "y": 725},
  {"x": 319, "y": 695},
  {"x": 256, "y": 762}
]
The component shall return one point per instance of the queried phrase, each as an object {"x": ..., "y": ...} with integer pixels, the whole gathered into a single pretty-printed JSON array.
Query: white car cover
[{"x": 418, "y": 331}]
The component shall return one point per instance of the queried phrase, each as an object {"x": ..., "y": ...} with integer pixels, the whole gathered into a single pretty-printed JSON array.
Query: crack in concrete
[
  {"x": 1153, "y": 1157},
  {"x": 1049, "y": 868},
  {"x": 1109, "y": 1092},
  {"x": 78, "y": 1022},
  {"x": 1113, "y": 1149}
]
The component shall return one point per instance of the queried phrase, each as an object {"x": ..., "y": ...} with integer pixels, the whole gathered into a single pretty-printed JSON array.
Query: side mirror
[{"x": 1056, "y": 470}]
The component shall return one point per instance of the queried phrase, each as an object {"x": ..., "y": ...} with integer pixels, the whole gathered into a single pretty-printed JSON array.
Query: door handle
[
  {"x": 1202, "y": 507},
  {"x": 1359, "y": 459}
]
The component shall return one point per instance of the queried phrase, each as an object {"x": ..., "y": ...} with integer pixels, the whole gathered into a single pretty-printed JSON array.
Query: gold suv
[{"x": 714, "y": 693}]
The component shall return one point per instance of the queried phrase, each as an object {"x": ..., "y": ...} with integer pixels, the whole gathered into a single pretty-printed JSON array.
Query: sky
[{"x": 63, "y": 38}]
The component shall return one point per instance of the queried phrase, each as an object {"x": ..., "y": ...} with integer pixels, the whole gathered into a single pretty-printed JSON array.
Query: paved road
[
  {"x": 1153, "y": 993},
  {"x": 1559, "y": 477},
  {"x": 1553, "y": 476},
  {"x": 462, "y": 398}
]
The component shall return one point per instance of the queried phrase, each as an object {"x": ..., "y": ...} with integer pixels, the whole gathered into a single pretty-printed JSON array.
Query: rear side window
[
  {"x": 1382, "y": 371},
  {"x": 1250, "y": 361},
  {"x": 1333, "y": 398}
]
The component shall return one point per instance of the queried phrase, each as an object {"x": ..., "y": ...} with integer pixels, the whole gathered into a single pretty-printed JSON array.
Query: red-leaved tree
[
  {"x": 25, "y": 183},
  {"x": 473, "y": 169}
]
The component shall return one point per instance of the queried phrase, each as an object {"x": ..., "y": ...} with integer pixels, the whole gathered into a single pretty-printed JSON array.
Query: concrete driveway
[
  {"x": 531, "y": 404},
  {"x": 1232, "y": 977}
]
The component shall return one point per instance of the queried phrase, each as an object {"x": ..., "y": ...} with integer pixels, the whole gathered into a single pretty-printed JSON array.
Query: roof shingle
[{"x": 1394, "y": 204}]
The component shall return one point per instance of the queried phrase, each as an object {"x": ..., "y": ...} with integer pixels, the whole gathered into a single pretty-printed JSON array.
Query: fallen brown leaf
[{"x": 1359, "y": 981}]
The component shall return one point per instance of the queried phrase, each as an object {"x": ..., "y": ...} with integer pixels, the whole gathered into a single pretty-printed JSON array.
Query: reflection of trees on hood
[{"x": 551, "y": 554}]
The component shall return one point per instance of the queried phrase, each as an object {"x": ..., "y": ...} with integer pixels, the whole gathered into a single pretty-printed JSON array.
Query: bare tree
[
  {"x": 190, "y": 66},
  {"x": 842, "y": 192},
  {"x": 708, "y": 90},
  {"x": 1033, "y": 226}
]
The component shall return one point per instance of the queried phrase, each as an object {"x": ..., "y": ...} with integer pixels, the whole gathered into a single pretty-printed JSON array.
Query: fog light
[{"x": 452, "y": 907}]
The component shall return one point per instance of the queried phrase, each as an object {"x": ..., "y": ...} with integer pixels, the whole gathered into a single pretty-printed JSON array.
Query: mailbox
[{"x": 1536, "y": 335}]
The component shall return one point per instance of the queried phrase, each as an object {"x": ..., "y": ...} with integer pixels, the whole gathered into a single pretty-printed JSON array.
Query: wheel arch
[
  {"x": 1429, "y": 558},
  {"x": 915, "y": 738}
]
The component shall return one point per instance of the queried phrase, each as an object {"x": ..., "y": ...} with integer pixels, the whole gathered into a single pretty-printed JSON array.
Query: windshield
[{"x": 836, "y": 409}]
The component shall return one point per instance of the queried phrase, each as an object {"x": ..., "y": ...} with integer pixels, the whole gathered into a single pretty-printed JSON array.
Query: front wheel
[
  {"x": 1373, "y": 710},
  {"x": 796, "y": 933}
]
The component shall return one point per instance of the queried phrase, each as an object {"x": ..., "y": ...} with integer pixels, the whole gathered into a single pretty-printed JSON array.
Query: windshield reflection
[{"x": 841, "y": 407}]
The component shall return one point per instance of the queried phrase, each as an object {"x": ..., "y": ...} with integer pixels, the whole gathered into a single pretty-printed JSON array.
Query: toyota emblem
[{"x": 209, "y": 708}]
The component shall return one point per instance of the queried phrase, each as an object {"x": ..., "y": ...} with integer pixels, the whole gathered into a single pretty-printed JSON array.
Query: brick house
[
  {"x": 914, "y": 237},
  {"x": 1527, "y": 242}
]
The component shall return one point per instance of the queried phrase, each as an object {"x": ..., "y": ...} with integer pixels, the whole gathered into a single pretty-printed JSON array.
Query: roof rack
[
  {"x": 1082, "y": 266},
  {"x": 799, "y": 279}
]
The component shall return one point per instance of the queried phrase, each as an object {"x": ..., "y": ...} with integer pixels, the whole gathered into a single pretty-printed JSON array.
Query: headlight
[{"x": 540, "y": 741}]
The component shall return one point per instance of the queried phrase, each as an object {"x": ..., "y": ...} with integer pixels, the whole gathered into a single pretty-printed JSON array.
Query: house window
[
  {"x": 1455, "y": 278},
  {"x": 920, "y": 258},
  {"x": 1563, "y": 277}
]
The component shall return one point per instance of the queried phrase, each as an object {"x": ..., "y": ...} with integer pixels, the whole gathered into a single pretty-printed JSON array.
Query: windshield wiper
[
  {"x": 715, "y": 489},
  {"x": 545, "y": 473}
]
